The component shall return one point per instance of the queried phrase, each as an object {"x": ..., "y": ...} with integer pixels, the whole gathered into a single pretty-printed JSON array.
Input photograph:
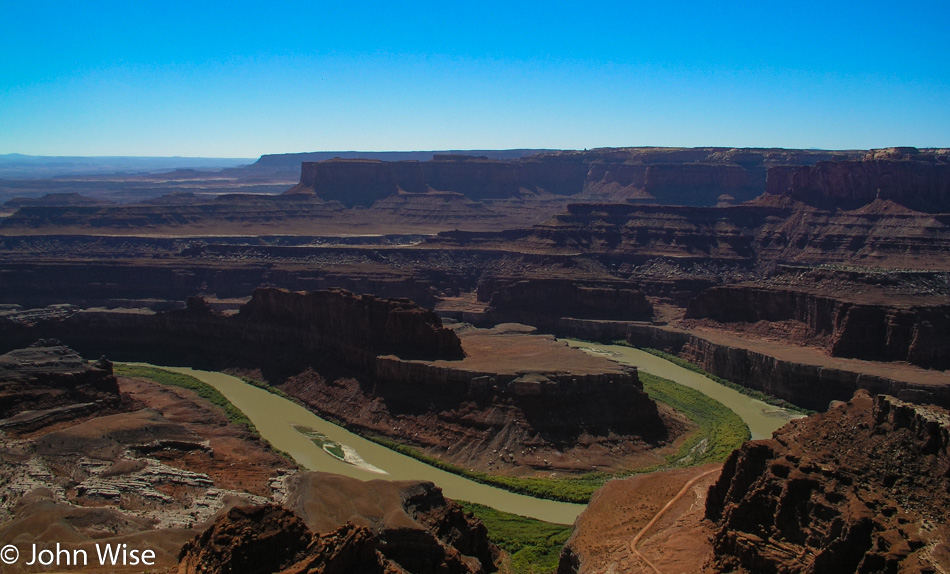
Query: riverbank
[
  {"x": 274, "y": 417},
  {"x": 761, "y": 418}
]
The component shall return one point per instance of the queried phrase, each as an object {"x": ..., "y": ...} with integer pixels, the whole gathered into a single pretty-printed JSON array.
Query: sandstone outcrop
[
  {"x": 861, "y": 488},
  {"x": 49, "y": 382},
  {"x": 517, "y": 403},
  {"x": 918, "y": 334},
  {"x": 915, "y": 180},
  {"x": 340, "y": 524},
  {"x": 266, "y": 539}
]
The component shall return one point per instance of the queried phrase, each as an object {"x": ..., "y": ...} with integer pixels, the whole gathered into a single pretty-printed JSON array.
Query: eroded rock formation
[
  {"x": 275, "y": 325},
  {"x": 861, "y": 488},
  {"x": 697, "y": 176},
  {"x": 49, "y": 382},
  {"x": 920, "y": 181},
  {"x": 541, "y": 302},
  {"x": 919, "y": 334},
  {"x": 83, "y": 464},
  {"x": 340, "y": 524}
]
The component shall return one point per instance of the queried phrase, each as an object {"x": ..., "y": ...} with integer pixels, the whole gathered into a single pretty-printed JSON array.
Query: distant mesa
[
  {"x": 684, "y": 176},
  {"x": 907, "y": 176},
  {"x": 55, "y": 200}
]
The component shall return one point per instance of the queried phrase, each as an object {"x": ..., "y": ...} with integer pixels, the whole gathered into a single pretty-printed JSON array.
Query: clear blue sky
[{"x": 239, "y": 79}]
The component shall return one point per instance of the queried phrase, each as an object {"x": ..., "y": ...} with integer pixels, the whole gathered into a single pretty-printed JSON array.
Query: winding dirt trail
[{"x": 686, "y": 488}]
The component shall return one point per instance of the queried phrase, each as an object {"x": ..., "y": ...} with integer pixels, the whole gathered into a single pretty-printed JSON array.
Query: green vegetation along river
[
  {"x": 761, "y": 418},
  {"x": 275, "y": 418},
  {"x": 291, "y": 428}
]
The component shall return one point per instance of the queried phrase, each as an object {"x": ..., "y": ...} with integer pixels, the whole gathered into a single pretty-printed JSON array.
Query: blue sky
[{"x": 240, "y": 79}]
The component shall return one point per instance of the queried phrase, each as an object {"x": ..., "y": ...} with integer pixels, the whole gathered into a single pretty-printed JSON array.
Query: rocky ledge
[
  {"x": 48, "y": 382},
  {"x": 340, "y": 524},
  {"x": 863, "y": 487}
]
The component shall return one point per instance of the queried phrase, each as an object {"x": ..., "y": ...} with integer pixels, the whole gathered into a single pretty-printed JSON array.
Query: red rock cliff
[
  {"x": 696, "y": 176},
  {"x": 918, "y": 334},
  {"x": 357, "y": 327},
  {"x": 861, "y": 488},
  {"x": 541, "y": 302},
  {"x": 918, "y": 181},
  {"x": 276, "y": 327}
]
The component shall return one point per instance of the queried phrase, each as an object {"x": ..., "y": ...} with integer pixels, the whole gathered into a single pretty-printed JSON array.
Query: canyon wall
[
  {"x": 861, "y": 488},
  {"x": 541, "y": 302},
  {"x": 363, "y": 182},
  {"x": 918, "y": 334},
  {"x": 697, "y": 176},
  {"x": 558, "y": 405},
  {"x": 918, "y": 181},
  {"x": 356, "y": 327},
  {"x": 683, "y": 184},
  {"x": 812, "y": 386},
  {"x": 274, "y": 327}
]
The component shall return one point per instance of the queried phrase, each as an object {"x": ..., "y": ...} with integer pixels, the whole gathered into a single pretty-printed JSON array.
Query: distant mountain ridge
[{"x": 20, "y": 166}]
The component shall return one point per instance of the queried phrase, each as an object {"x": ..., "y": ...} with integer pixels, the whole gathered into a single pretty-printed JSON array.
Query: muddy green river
[
  {"x": 279, "y": 420},
  {"x": 276, "y": 417}
]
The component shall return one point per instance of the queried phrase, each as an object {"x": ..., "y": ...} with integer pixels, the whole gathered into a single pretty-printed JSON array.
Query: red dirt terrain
[
  {"x": 647, "y": 523},
  {"x": 123, "y": 474},
  {"x": 155, "y": 465}
]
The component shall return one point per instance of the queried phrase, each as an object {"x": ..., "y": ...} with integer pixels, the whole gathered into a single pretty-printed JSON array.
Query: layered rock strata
[
  {"x": 918, "y": 334},
  {"x": 743, "y": 237},
  {"x": 275, "y": 325},
  {"x": 920, "y": 181},
  {"x": 861, "y": 488},
  {"x": 49, "y": 382},
  {"x": 804, "y": 380}
]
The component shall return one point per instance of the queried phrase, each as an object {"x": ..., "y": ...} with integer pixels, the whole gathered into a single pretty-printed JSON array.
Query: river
[
  {"x": 276, "y": 419},
  {"x": 761, "y": 418}
]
